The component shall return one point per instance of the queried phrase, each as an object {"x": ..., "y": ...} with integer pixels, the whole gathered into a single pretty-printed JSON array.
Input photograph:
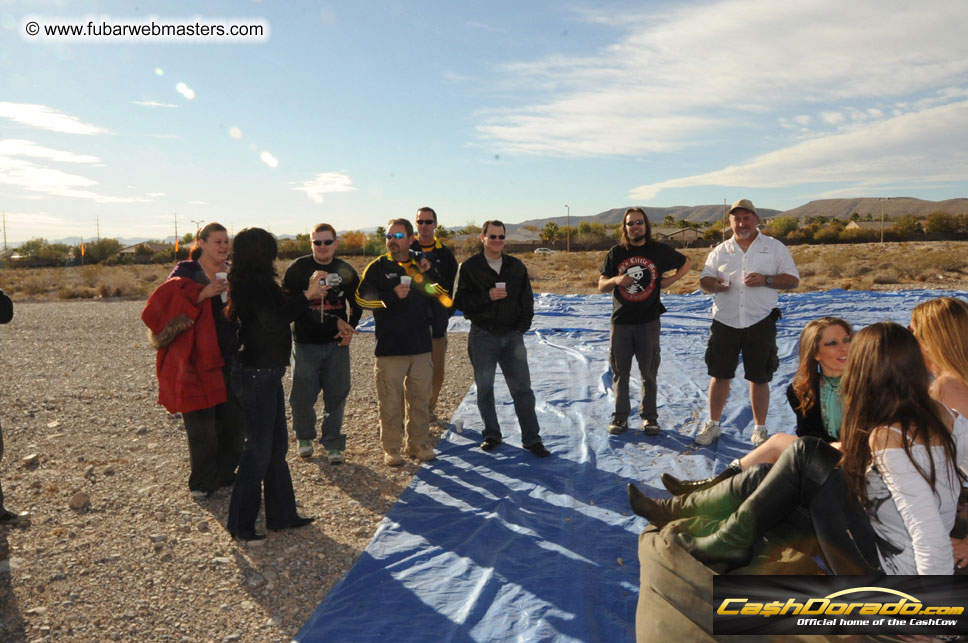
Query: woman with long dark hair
[
  {"x": 196, "y": 346},
  {"x": 257, "y": 304},
  {"x": 884, "y": 505},
  {"x": 813, "y": 395}
]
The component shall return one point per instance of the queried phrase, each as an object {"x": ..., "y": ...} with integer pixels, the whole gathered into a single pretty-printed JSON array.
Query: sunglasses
[
  {"x": 425, "y": 222},
  {"x": 325, "y": 242},
  {"x": 396, "y": 235},
  {"x": 495, "y": 236},
  {"x": 635, "y": 222}
]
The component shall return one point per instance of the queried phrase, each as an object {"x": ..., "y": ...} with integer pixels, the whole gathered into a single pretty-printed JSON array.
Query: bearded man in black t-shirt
[{"x": 633, "y": 271}]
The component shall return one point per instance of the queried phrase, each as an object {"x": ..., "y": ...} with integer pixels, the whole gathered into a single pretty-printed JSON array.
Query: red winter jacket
[{"x": 189, "y": 364}]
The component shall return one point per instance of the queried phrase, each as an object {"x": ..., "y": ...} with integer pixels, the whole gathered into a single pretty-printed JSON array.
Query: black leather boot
[
  {"x": 718, "y": 501},
  {"x": 678, "y": 487},
  {"x": 793, "y": 481}
]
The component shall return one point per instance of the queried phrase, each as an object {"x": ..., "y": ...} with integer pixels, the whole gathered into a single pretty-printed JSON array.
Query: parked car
[{"x": 544, "y": 251}]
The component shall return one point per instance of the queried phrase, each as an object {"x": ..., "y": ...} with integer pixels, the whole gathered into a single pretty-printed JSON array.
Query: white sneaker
[
  {"x": 759, "y": 436},
  {"x": 709, "y": 432}
]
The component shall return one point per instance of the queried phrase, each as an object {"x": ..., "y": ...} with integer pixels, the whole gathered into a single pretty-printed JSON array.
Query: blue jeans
[
  {"x": 316, "y": 367},
  {"x": 263, "y": 462},
  {"x": 486, "y": 352}
]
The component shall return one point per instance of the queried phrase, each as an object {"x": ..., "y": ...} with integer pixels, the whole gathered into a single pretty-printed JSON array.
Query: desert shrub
[
  {"x": 119, "y": 284},
  {"x": 76, "y": 292},
  {"x": 91, "y": 274},
  {"x": 798, "y": 236},
  {"x": 889, "y": 275},
  {"x": 827, "y": 234},
  {"x": 858, "y": 269},
  {"x": 856, "y": 235},
  {"x": 941, "y": 223},
  {"x": 36, "y": 285}
]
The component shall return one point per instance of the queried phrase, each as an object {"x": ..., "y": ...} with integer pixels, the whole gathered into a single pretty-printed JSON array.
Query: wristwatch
[{"x": 769, "y": 280}]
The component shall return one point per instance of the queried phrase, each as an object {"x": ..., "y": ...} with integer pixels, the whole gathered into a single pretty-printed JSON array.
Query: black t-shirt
[
  {"x": 315, "y": 327},
  {"x": 639, "y": 303}
]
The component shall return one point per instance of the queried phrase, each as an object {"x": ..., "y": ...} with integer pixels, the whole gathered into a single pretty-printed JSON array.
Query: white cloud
[
  {"x": 18, "y": 168},
  {"x": 235, "y": 133},
  {"x": 915, "y": 148},
  {"x": 43, "y": 117},
  {"x": 683, "y": 76},
  {"x": 325, "y": 183},
  {"x": 198, "y": 203},
  {"x": 269, "y": 159},
  {"x": 155, "y": 195},
  {"x": 152, "y": 103}
]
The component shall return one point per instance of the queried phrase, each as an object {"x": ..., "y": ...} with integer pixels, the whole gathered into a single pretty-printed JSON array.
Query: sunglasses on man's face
[
  {"x": 323, "y": 242},
  {"x": 495, "y": 236},
  {"x": 631, "y": 222},
  {"x": 425, "y": 221},
  {"x": 396, "y": 235}
]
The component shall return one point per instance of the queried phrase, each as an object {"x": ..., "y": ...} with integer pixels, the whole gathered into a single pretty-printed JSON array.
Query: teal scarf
[{"x": 831, "y": 410}]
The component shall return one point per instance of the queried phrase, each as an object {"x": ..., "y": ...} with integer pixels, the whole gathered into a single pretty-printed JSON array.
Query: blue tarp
[{"x": 507, "y": 547}]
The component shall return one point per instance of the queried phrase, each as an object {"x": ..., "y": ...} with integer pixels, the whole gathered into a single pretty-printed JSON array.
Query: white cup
[
  {"x": 405, "y": 280},
  {"x": 502, "y": 285},
  {"x": 459, "y": 426},
  {"x": 222, "y": 276}
]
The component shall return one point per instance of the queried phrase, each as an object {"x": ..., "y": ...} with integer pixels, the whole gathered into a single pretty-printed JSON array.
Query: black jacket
[
  {"x": 475, "y": 278},
  {"x": 811, "y": 422},
  {"x": 443, "y": 261},
  {"x": 6, "y": 308},
  {"x": 402, "y": 325}
]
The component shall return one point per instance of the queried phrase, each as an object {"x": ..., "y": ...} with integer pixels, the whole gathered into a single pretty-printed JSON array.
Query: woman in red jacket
[{"x": 196, "y": 347}]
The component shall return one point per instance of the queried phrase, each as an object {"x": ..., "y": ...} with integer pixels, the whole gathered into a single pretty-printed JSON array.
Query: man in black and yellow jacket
[
  {"x": 399, "y": 290},
  {"x": 6, "y": 314},
  {"x": 440, "y": 256},
  {"x": 494, "y": 292}
]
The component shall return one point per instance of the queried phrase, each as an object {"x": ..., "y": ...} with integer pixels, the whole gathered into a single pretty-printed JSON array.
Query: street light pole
[
  {"x": 882, "y": 220},
  {"x": 568, "y": 230}
]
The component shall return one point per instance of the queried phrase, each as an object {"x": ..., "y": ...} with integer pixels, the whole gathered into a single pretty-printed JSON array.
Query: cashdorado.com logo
[{"x": 806, "y": 608}]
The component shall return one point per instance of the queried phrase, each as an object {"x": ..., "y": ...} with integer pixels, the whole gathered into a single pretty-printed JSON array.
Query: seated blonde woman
[
  {"x": 941, "y": 328},
  {"x": 813, "y": 395}
]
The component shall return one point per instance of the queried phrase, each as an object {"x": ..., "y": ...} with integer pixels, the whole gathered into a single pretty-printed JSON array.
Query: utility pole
[
  {"x": 882, "y": 219},
  {"x": 198, "y": 225},
  {"x": 568, "y": 235},
  {"x": 97, "y": 221},
  {"x": 725, "y": 217}
]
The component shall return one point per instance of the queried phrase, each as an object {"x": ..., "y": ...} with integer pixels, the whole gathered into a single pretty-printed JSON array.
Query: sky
[{"x": 355, "y": 112}]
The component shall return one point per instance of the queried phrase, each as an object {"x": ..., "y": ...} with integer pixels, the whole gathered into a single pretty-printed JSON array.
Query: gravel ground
[{"x": 112, "y": 546}]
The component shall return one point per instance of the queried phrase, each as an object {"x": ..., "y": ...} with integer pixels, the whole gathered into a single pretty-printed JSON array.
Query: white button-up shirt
[{"x": 742, "y": 306}]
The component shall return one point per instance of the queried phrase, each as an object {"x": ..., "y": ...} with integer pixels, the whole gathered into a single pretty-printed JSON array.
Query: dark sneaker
[
  {"x": 489, "y": 444},
  {"x": 538, "y": 449},
  {"x": 618, "y": 427},
  {"x": 650, "y": 427},
  {"x": 335, "y": 456}
]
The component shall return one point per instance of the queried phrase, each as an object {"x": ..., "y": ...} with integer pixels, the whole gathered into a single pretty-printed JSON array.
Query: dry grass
[{"x": 863, "y": 266}]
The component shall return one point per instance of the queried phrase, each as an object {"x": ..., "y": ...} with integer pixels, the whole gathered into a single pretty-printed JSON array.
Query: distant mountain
[
  {"x": 893, "y": 207},
  {"x": 656, "y": 215}
]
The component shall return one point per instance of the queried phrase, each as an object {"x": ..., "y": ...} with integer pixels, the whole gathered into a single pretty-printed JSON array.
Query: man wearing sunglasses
[
  {"x": 446, "y": 266},
  {"x": 633, "y": 271},
  {"x": 320, "y": 350},
  {"x": 494, "y": 292},
  {"x": 399, "y": 288}
]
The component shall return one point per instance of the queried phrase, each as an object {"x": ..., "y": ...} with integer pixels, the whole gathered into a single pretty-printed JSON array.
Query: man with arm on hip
[{"x": 633, "y": 271}]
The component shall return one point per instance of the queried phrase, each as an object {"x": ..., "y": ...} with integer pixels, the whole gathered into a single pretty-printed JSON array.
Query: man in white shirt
[{"x": 744, "y": 272}]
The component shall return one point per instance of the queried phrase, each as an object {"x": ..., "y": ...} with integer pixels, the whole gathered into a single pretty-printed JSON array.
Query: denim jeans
[
  {"x": 215, "y": 441},
  {"x": 642, "y": 342},
  {"x": 263, "y": 462},
  {"x": 326, "y": 368},
  {"x": 486, "y": 352}
]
